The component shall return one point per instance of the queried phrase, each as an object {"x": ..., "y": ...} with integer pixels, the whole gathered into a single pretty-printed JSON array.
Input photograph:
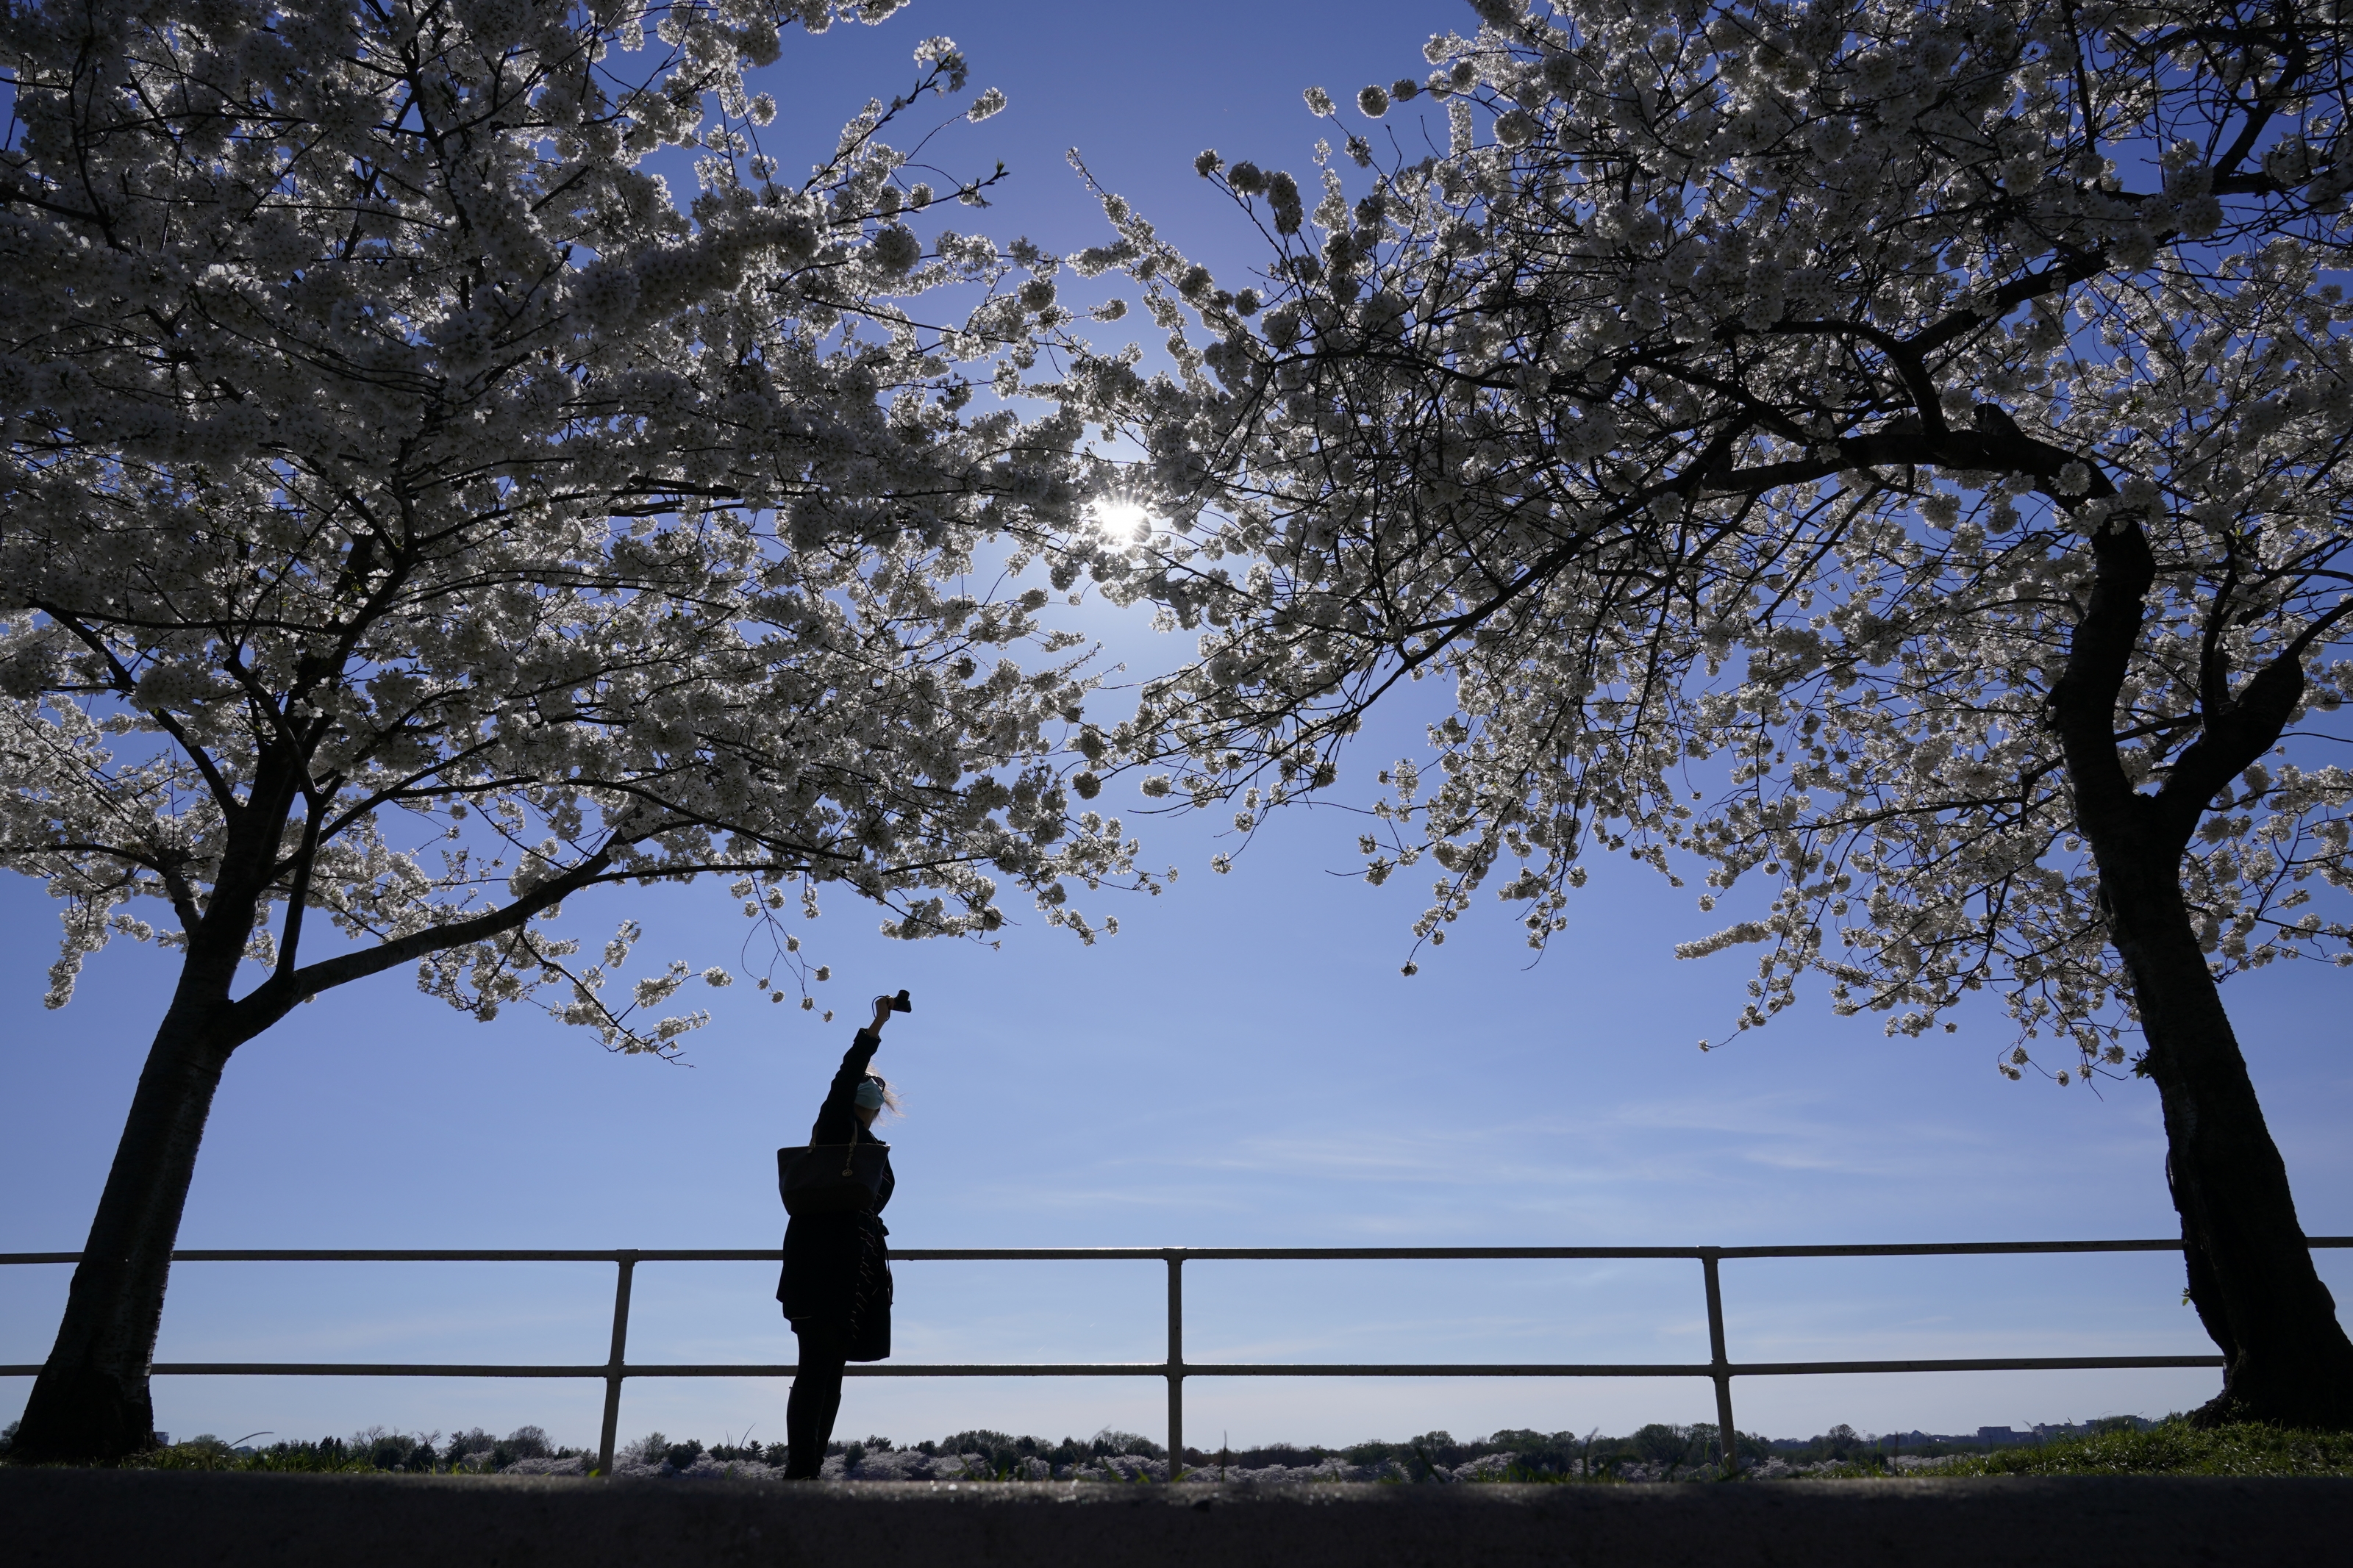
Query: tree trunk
[
  {"x": 91, "y": 1403},
  {"x": 2286, "y": 1357}
]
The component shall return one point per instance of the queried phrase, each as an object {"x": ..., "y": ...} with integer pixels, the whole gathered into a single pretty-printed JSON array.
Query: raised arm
[{"x": 835, "y": 1121}]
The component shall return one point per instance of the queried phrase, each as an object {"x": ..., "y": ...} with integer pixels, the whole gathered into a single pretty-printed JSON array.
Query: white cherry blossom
[
  {"x": 1891, "y": 453},
  {"x": 419, "y": 518}
]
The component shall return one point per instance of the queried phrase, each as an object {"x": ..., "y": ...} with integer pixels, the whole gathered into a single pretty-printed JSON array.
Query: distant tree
[
  {"x": 413, "y": 520},
  {"x": 1840, "y": 1442},
  {"x": 1664, "y": 1446},
  {"x": 1899, "y": 453},
  {"x": 530, "y": 1443}
]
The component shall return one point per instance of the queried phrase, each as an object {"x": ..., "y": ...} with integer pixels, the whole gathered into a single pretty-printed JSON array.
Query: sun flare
[{"x": 1121, "y": 520}]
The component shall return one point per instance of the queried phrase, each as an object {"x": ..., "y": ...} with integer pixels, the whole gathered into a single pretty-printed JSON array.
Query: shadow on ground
[{"x": 95, "y": 1517}]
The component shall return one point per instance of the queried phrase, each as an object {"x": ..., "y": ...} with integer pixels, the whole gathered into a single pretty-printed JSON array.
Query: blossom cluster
[
  {"x": 1733, "y": 413},
  {"x": 414, "y": 515}
]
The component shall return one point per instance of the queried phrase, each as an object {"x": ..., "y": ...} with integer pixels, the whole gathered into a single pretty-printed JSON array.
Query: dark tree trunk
[
  {"x": 91, "y": 1403},
  {"x": 2250, "y": 1275}
]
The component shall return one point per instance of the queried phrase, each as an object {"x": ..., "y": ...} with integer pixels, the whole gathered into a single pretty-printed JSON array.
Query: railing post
[
  {"x": 614, "y": 1362},
  {"x": 1718, "y": 1365},
  {"x": 1176, "y": 1364}
]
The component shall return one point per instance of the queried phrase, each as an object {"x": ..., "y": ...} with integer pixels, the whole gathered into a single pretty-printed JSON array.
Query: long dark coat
[{"x": 836, "y": 1275}]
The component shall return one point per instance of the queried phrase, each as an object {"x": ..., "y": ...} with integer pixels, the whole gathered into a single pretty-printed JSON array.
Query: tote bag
[{"x": 832, "y": 1178}]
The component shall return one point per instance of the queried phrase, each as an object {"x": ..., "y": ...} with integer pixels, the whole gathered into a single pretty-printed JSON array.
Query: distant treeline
[
  {"x": 1661, "y": 1448},
  {"x": 376, "y": 1448}
]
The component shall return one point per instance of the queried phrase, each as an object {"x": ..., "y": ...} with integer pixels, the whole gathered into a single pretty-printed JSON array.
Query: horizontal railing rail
[{"x": 1719, "y": 1368}]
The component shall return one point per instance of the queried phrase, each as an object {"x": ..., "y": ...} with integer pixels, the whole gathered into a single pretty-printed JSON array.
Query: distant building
[{"x": 1996, "y": 1436}]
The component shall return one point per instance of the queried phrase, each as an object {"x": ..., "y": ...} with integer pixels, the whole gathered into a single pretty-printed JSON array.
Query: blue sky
[{"x": 1243, "y": 1065}]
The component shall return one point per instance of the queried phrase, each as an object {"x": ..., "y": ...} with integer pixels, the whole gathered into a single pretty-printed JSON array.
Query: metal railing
[{"x": 1719, "y": 1368}]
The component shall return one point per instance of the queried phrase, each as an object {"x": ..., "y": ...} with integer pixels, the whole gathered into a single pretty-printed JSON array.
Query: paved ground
[{"x": 78, "y": 1519}]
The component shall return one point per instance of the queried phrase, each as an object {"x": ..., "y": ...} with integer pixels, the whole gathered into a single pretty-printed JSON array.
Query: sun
[{"x": 1121, "y": 520}]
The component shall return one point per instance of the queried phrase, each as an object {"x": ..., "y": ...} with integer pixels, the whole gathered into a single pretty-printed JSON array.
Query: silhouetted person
[{"x": 836, "y": 1284}]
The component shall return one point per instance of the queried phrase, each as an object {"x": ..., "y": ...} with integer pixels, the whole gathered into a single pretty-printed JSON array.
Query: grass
[
  {"x": 2172, "y": 1448},
  {"x": 308, "y": 1457},
  {"x": 374, "y": 1452}
]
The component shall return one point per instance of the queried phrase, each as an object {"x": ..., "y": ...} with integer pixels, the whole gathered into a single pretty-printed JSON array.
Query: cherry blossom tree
[
  {"x": 1893, "y": 452},
  {"x": 415, "y": 521}
]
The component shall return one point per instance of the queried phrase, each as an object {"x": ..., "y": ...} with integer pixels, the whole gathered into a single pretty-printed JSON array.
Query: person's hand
[{"x": 882, "y": 1014}]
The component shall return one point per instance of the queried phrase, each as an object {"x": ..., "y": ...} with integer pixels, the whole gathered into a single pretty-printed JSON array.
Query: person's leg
[{"x": 814, "y": 1401}]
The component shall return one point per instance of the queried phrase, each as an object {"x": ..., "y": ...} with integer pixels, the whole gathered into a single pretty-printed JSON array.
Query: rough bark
[
  {"x": 2286, "y": 1357},
  {"x": 91, "y": 1401},
  {"x": 2251, "y": 1276}
]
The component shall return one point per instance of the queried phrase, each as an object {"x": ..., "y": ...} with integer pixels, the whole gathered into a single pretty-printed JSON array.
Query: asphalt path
[{"x": 89, "y": 1519}]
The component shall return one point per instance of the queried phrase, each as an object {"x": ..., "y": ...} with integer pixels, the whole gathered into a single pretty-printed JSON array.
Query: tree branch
[
  {"x": 2083, "y": 700},
  {"x": 270, "y": 1001},
  {"x": 2234, "y": 739}
]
